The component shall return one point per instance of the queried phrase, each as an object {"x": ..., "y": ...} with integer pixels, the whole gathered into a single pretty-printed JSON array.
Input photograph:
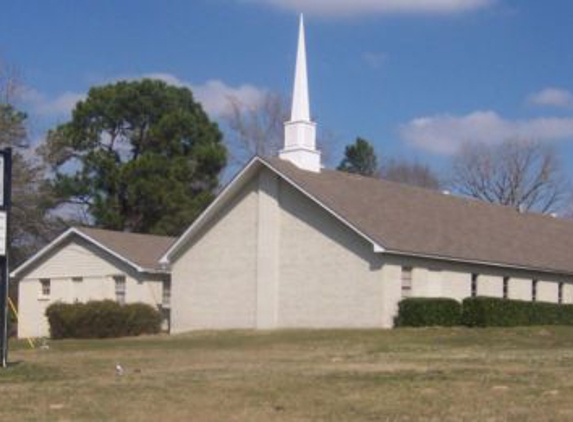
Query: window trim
[
  {"x": 120, "y": 294},
  {"x": 45, "y": 282},
  {"x": 406, "y": 289},
  {"x": 166, "y": 294}
]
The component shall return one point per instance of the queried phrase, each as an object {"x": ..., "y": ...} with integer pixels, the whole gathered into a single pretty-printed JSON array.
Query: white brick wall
[
  {"x": 329, "y": 276},
  {"x": 489, "y": 285},
  {"x": 547, "y": 291},
  {"x": 213, "y": 282},
  {"x": 519, "y": 288}
]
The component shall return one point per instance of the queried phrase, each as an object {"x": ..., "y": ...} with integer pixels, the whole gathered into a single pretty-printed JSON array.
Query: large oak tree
[{"x": 139, "y": 156}]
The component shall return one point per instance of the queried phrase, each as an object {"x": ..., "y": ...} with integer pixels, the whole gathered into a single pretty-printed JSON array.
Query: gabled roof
[
  {"x": 415, "y": 221},
  {"x": 406, "y": 220},
  {"x": 140, "y": 251}
]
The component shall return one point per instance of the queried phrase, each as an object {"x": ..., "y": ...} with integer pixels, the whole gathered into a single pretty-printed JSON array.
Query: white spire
[
  {"x": 300, "y": 131},
  {"x": 300, "y": 103}
]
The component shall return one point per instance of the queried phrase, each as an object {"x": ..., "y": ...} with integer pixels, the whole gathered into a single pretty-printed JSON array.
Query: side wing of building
[{"x": 78, "y": 271}]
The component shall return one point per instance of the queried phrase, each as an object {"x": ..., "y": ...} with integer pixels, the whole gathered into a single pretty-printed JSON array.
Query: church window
[
  {"x": 474, "y": 285},
  {"x": 406, "y": 281},
  {"x": 505, "y": 287},
  {"x": 120, "y": 289}
]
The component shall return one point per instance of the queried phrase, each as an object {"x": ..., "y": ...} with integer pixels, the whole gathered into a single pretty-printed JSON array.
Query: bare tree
[
  {"x": 30, "y": 228},
  {"x": 10, "y": 83},
  {"x": 256, "y": 130},
  {"x": 260, "y": 130},
  {"x": 12, "y": 131},
  {"x": 523, "y": 174},
  {"x": 413, "y": 174}
]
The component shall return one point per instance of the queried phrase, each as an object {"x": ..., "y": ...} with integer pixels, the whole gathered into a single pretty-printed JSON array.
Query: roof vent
[
  {"x": 554, "y": 215},
  {"x": 521, "y": 209},
  {"x": 446, "y": 192}
]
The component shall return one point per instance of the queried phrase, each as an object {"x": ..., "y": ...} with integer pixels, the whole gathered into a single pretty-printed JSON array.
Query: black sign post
[{"x": 5, "y": 203}]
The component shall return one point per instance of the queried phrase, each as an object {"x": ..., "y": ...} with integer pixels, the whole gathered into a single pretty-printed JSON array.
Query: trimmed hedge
[
  {"x": 496, "y": 312},
  {"x": 426, "y": 312},
  {"x": 102, "y": 319},
  {"x": 481, "y": 312}
]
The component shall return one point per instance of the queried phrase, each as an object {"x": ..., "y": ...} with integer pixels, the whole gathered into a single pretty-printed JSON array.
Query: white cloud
[
  {"x": 341, "y": 8},
  {"x": 444, "y": 134},
  {"x": 43, "y": 106},
  {"x": 554, "y": 97},
  {"x": 216, "y": 96}
]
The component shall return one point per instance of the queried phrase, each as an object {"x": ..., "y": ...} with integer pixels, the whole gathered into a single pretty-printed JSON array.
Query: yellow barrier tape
[{"x": 13, "y": 308}]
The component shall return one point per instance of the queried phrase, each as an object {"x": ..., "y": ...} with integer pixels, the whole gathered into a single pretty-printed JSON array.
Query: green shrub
[
  {"x": 496, "y": 312},
  {"x": 142, "y": 319},
  {"x": 425, "y": 312},
  {"x": 101, "y": 319}
]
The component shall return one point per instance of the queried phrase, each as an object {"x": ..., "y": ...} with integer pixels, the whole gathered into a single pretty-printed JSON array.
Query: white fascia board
[
  {"x": 210, "y": 210},
  {"x": 378, "y": 248},
  {"x": 73, "y": 231},
  {"x": 478, "y": 262}
]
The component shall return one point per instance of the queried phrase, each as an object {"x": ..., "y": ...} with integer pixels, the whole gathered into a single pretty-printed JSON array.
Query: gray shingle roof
[
  {"x": 143, "y": 250},
  {"x": 405, "y": 219}
]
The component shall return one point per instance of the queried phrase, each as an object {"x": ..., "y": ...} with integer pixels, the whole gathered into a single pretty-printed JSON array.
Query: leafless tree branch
[
  {"x": 260, "y": 130},
  {"x": 410, "y": 173},
  {"x": 519, "y": 173}
]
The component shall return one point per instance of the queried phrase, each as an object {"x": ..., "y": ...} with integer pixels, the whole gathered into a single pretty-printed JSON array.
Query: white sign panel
[{"x": 3, "y": 232}]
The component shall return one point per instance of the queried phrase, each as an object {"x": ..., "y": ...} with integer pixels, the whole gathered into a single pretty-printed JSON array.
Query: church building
[{"x": 290, "y": 244}]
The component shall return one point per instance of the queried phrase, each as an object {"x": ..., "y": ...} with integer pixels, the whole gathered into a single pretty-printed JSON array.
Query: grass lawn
[{"x": 407, "y": 374}]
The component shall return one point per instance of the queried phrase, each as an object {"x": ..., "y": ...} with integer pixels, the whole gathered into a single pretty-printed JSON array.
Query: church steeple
[
  {"x": 300, "y": 131},
  {"x": 300, "y": 102}
]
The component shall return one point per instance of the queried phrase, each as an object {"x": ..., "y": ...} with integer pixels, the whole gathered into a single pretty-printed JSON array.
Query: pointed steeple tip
[
  {"x": 300, "y": 98},
  {"x": 300, "y": 131}
]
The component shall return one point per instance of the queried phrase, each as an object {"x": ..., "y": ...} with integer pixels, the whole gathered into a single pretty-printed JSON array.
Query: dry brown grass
[{"x": 427, "y": 374}]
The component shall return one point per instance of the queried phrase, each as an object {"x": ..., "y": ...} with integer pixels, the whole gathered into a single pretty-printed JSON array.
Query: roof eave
[{"x": 479, "y": 262}]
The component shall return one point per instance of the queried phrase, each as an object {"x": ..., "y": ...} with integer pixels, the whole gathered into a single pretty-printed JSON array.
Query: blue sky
[{"x": 415, "y": 77}]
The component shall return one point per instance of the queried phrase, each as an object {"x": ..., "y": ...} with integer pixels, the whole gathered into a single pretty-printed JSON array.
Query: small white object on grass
[
  {"x": 119, "y": 370},
  {"x": 44, "y": 345}
]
